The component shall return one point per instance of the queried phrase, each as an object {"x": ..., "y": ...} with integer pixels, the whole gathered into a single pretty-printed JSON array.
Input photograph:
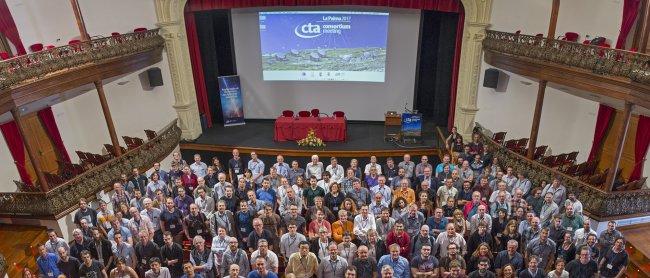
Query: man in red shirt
[{"x": 401, "y": 238}]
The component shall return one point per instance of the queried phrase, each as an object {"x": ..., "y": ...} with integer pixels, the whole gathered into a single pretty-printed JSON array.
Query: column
[
  {"x": 108, "y": 117},
  {"x": 537, "y": 116}
]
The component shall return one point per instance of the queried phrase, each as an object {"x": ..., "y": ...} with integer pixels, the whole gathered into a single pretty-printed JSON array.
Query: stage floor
[{"x": 361, "y": 136}]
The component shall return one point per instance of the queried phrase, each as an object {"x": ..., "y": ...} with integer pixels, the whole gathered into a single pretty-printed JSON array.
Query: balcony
[
  {"x": 64, "y": 198},
  {"x": 599, "y": 204},
  {"x": 614, "y": 73},
  {"x": 28, "y": 78}
]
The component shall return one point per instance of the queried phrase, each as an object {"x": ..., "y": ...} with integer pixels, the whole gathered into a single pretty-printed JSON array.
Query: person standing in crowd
[{"x": 171, "y": 255}]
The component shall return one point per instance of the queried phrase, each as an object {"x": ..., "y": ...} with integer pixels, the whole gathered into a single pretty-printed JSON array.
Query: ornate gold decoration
[
  {"x": 64, "y": 198},
  {"x": 599, "y": 60},
  {"x": 596, "y": 202},
  {"x": 25, "y": 68}
]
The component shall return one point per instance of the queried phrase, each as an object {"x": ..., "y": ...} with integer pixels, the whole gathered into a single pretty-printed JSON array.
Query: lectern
[{"x": 392, "y": 126}]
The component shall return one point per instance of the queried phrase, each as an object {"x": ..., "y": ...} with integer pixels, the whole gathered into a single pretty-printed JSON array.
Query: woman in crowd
[
  {"x": 299, "y": 186},
  {"x": 399, "y": 208},
  {"x": 508, "y": 233},
  {"x": 424, "y": 204},
  {"x": 508, "y": 271},
  {"x": 461, "y": 225},
  {"x": 482, "y": 252},
  {"x": 499, "y": 223},
  {"x": 334, "y": 198},
  {"x": 217, "y": 166},
  {"x": 566, "y": 249},
  {"x": 350, "y": 206},
  {"x": 453, "y": 137}
]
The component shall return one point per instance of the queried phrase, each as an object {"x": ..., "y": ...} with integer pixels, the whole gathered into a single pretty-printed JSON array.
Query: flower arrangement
[{"x": 311, "y": 140}]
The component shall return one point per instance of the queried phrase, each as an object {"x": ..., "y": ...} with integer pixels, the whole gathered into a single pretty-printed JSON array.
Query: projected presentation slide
[{"x": 323, "y": 45}]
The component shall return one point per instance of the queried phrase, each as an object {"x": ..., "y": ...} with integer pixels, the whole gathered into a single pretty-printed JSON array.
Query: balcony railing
[
  {"x": 599, "y": 60},
  {"x": 64, "y": 198},
  {"x": 25, "y": 68},
  {"x": 598, "y": 203}
]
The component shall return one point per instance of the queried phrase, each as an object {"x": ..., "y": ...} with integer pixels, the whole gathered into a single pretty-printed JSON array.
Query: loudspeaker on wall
[
  {"x": 496, "y": 80},
  {"x": 155, "y": 77}
]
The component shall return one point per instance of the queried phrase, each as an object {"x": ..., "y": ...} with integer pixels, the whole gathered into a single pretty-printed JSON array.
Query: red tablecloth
[{"x": 327, "y": 128}]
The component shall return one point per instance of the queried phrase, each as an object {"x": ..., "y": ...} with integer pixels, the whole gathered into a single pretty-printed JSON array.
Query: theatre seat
[
  {"x": 571, "y": 36},
  {"x": 50, "y": 46},
  {"x": 36, "y": 47},
  {"x": 139, "y": 29},
  {"x": 338, "y": 114},
  {"x": 4, "y": 55},
  {"x": 287, "y": 113},
  {"x": 304, "y": 114}
]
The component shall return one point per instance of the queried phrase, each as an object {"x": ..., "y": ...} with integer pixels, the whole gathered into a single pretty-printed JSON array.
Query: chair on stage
[
  {"x": 339, "y": 114},
  {"x": 287, "y": 113},
  {"x": 315, "y": 112},
  {"x": 304, "y": 114}
]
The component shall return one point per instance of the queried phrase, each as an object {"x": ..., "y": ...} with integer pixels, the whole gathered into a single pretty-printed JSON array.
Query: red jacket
[{"x": 404, "y": 242}]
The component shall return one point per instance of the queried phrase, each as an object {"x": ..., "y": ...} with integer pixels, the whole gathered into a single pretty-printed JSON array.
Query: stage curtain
[
  {"x": 47, "y": 119},
  {"x": 455, "y": 67},
  {"x": 16, "y": 148},
  {"x": 437, "y": 5},
  {"x": 9, "y": 29},
  {"x": 197, "y": 68},
  {"x": 640, "y": 146},
  {"x": 603, "y": 121},
  {"x": 630, "y": 12}
]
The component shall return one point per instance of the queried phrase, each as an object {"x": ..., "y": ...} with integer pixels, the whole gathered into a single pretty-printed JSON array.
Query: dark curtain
[
  {"x": 435, "y": 65},
  {"x": 9, "y": 29},
  {"x": 630, "y": 12},
  {"x": 47, "y": 119},
  {"x": 603, "y": 121},
  {"x": 437, "y": 5},
  {"x": 197, "y": 69},
  {"x": 16, "y": 148},
  {"x": 454, "y": 76},
  {"x": 640, "y": 146}
]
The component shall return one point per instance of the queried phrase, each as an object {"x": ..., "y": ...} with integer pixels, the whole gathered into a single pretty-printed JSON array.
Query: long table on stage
[{"x": 330, "y": 129}]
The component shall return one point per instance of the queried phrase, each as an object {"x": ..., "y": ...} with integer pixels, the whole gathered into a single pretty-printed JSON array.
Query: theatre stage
[{"x": 363, "y": 138}]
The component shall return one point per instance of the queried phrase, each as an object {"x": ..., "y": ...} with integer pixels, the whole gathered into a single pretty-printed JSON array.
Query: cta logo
[{"x": 307, "y": 31}]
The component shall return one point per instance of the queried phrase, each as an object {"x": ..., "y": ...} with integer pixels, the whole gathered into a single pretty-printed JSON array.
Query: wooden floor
[
  {"x": 18, "y": 245},
  {"x": 638, "y": 248}
]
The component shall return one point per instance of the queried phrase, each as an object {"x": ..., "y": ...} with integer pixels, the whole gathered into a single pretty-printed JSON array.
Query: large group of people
[{"x": 468, "y": 216}]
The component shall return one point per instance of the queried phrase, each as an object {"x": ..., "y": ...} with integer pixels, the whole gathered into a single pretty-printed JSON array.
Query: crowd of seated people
[{"x": 255, "y": 218}]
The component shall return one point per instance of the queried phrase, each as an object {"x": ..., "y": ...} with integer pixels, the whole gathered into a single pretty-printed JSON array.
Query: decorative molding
[
  {"x": 599, "y": 204},
  {"x": 42, "y": 64},
  {"x": 477, "y": 19},
  {"x": 171, "y": 21},
  {"x": 63, "y": 199}
]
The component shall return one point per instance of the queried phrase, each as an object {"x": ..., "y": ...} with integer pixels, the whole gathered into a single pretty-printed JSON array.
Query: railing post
[
  {"x": 108, "y": 117},
  {"x": 622, "y": 133},
  {"x": 30, "y": 151}
]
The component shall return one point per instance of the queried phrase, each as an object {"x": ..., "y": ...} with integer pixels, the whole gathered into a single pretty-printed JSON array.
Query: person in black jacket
[
  {"x": 145, "y": 250},
  {"x": 171, "y": 255},
  {"x": 104, "y": 250}
]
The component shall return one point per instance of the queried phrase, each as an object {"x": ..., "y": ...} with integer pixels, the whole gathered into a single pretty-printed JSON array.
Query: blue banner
[
  {"x": 411, "y": 125},
  {"x": 232, "y": 103}
]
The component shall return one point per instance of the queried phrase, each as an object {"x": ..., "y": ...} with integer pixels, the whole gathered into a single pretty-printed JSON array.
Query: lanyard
[{"x": 334, "y": 265}]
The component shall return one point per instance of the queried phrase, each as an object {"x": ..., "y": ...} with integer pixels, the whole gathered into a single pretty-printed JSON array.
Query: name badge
[
  {"x": 498, "y": 234},
  {"x": 610, "y": 266},
  {"x": 144, "y": 261},
  {"x": 236, "y": 171},
  {"x": 390, "y": 179},
  {"x": 191, "y": 188},
  {"x": 199, "y": 231},
  {"x": 50, "y": 274},
  {"x": 569, "y": 229},
  {"x": 172, "y": 226},
  {"x": 243, "y": 229},
  {"x": 240, "y": 176}
]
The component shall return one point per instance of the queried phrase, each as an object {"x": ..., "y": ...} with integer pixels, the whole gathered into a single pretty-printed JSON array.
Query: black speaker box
[
  {"x": 155, "y": 77},
  {"x": 491, "y": 79}
]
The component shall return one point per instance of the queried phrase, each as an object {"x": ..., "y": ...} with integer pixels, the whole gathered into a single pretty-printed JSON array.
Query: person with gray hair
[
  {"x": 509, "y": 256},
  {"x": 201, "y": 258},
  {"x": 270, "y": 257},
  {"x": 387, "y": 271},
  {"x": 334, "y": 266}
]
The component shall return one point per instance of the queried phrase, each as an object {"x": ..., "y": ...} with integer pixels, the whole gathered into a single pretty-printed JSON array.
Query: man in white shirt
[
  {"x": 199, "y": 168},
  {"x": 336, "y": 171},
  {"x": 325, "y": 182},
  {"x": 264, "y": 252},
  {"x": 573, "y": 200},
  {"x": 256, "y": 166},
  {"x": 580, "y": 235},
  {"x": 362, "y": 223},
  {"x": 373, "y": 162},
  {"x": 314, "y": 168},
  {"x": 281, "y": 166},
  {"x": 54, "y": 242}
]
